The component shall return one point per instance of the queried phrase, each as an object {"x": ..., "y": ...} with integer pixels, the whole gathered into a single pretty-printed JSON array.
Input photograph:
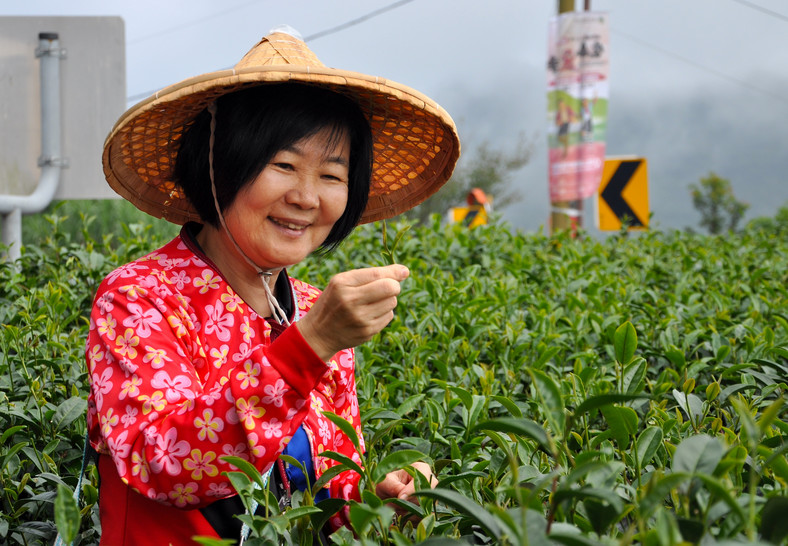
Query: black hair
[{"x": 252, "y": 125}]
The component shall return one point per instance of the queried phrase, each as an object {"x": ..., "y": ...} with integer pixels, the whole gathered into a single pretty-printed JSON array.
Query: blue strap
[{"x": 87, "y": 450}]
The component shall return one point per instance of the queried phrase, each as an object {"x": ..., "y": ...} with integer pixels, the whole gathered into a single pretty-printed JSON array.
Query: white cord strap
[{"x": 276, "y": 309}]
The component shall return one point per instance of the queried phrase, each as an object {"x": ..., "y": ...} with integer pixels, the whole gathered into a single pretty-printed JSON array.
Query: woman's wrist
[{"x": 315, "y": 340}]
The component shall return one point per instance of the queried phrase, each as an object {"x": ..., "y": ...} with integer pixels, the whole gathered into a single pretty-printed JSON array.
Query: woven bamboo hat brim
[{"x": 415, "y": 140}]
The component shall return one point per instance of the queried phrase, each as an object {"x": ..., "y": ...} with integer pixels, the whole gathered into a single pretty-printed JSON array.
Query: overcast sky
[{"x": 696, "y": 85}]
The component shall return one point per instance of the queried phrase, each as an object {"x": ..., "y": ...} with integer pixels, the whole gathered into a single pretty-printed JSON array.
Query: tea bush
[{"x": 630, "y": 390}]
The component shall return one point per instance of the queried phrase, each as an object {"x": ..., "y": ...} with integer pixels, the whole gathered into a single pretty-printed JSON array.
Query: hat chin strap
[{"x": 276, "y": 309}]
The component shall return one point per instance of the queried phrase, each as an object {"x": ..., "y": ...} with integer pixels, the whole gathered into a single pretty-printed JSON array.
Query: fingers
[
  {"x": 360, "y": 277},
  {"x": 354, "y": 307}
]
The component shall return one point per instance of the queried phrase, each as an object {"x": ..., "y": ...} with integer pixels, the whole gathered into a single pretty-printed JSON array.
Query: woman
[{"x": 206, "y": 347}]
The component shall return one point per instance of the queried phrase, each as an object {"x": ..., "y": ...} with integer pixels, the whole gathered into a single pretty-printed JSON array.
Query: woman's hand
[
  {"x": 401, "y": 485},
  {"x": 355, "y": 306}
]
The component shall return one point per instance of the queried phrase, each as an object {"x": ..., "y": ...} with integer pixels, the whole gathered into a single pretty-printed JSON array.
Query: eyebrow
[{"x": 338, "y": 159}]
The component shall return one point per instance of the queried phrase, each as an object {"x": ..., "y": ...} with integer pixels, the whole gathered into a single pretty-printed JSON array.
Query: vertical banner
[{"x": 577, "y": 98}]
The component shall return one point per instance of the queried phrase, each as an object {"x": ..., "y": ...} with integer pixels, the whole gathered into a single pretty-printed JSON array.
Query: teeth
[{"x": 288, "y": 225}]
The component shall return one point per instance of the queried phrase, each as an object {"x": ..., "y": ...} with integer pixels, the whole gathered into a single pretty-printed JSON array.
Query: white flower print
[
  {"x": 127, "y": 366},
  {"x": 130, "y": 417},
  {"x": 220, "y": 355},
  {"x": 180, "y": 279},
  {"x": 232, "y": 300},
  {"x": 163, "y": 291},
  {"x": 208, "y": 426},
  {"x": 132, "y": 291},
  {"x": 182, "y": 495},
  {"x": 167, "y": 453},
  {"x": 256, "y": 448},
  {"x": 108, "y": 421},
  {"x": 104, "y": 303},
  {"x": 151, "y": 434},
  {"x": 247, "y": 331},
  {"x": 169, "y": 263},
  {"x": 127, "y": 343},
  {"x": 156, "y": 357},
  {"x": 219, "y": 490},
  {"x": 218, "y": 321},
  {"x": 207, "y": 281},
  {"x": 106, "y": 327},
  {"x": 174, "y": 388},
  {"x": 237, "y": 450},
  {"x": 274, "y": 393},
  {"x": 125, "y": 272},
  {"x": 101, "y": 386},
  {"x": 249, "y": 375},
  {"x": 120, "y": 449},
  {"x": 325, "y": 432},
  {"x": 212, "y": 396},
  {"x": 346, "y": 360},
  {"x": 142, "y": 320},
  {"x": 94, "y": 356},
  {"x": 272, "y": 428},
  {"x": 244, "y": 352}
]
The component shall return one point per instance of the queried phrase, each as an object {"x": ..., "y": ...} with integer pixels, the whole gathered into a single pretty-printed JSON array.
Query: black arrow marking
[
  {"x": 612, "y": 192},
  {"x": 468, "y": 220}
]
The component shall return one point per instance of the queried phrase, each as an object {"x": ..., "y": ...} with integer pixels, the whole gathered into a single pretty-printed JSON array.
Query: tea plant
[{"x": 631, "y": 390}]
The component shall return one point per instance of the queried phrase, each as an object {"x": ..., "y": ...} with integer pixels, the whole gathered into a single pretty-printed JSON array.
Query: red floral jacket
[{"x": 183, "y": 371}]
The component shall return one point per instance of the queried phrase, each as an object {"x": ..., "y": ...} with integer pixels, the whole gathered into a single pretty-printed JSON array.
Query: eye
[{"x": 283, "y": 165}]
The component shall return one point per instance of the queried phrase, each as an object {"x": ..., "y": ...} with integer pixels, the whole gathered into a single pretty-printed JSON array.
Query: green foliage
[
  {"x": 631, "y": 390},
  {"x": 489, "y": 169},
  {"x": 719, "y": 209},
  {"x": 776, "y": 226},
  {"x": 83, "y": 221}
]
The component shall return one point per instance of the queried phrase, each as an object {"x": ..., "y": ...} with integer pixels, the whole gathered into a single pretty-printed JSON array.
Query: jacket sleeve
[{"x": 167, "y": 412}]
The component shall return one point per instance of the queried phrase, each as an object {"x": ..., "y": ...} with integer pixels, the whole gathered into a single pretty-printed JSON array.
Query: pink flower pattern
[{"x": 184, "y": 372}]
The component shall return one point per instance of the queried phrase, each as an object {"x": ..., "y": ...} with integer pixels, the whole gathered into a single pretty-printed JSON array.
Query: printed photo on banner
[{"x": 577, "y": 99}]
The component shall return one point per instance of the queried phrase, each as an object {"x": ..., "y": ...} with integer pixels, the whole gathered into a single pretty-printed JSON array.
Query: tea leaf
[
  {"x": 67, "y": 518},
  {"x": 647, "y": 445},
  {"x": 634, "y": 374},
  {"x": 344, "y": 460},
  {"x": 465, "y": 506},
  {"x": 246, "y": 467},
  {"x": 698, "y": 454},
  {"x": 774, "y": 523},
  {"x": 518, "y": 426},
  {"x": 691, "y": 404},
  {"x": 595, "y": 402},
  {"x": 328, "y": 507},
  {"x": 552, "y": 402},
  {"x": 395, "y": 461},
  {"x": 69, "y": 411},
  {"x": 623, "y": 423},
  {"x": 345, "y": 426},
  {"x": 625, "y": 342}
]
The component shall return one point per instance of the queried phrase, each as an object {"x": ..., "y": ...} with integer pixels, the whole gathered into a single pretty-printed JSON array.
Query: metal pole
[
  {"x": 51, "y": 161},
  {"x": 12, "y": 234},
  {"x": 559, "y": 219}
]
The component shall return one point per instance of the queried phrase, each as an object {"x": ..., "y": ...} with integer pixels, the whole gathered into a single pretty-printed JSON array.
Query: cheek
[{"x": 337, "y": 202}]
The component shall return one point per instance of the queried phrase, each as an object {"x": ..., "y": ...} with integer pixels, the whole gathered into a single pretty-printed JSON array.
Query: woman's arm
[{"x": 167, "y": 408}]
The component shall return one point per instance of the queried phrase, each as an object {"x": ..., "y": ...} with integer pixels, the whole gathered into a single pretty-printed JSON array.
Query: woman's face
[{"x": 289, "y": 209}]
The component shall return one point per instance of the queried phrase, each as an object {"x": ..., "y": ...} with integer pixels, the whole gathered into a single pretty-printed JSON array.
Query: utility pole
[{"x": 560, "y": 218}]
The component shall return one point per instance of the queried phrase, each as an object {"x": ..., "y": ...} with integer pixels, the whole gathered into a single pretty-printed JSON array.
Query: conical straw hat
[{"x": 415, "y": 140}]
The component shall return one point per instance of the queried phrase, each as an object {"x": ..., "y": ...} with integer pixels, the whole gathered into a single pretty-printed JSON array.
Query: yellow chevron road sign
[{"x": 623, "y": 194}]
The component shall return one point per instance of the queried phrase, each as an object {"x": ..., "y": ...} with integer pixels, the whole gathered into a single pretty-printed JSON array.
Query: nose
[{"x": 305, "y": 193}]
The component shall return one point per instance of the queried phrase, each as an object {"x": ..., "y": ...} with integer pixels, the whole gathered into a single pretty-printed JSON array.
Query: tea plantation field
[{"x": 568, "y": 392}]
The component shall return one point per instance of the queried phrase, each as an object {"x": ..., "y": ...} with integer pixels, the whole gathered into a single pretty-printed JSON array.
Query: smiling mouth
[{"x": 288, "y": 225}]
